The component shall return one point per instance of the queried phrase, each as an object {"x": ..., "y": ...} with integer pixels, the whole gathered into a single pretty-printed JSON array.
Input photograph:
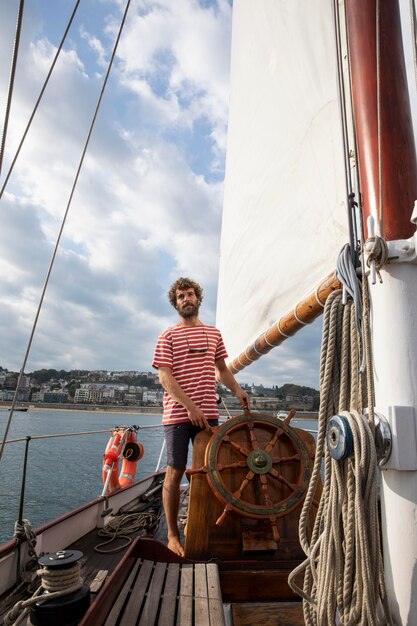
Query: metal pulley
[
  {"x": 339, "y": 438},
  {"x": 383, "y": 438}
]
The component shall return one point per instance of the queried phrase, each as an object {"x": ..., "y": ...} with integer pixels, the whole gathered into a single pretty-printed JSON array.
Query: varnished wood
[
  {"x": 304, "y": 312},
  {"x": 399, "y": 168},
  {"x": 257, "y": 541},
  {"x": 277, "y": 614},
  {"x": 205, "y": 540},
  {"x": 257, "y": 584}
]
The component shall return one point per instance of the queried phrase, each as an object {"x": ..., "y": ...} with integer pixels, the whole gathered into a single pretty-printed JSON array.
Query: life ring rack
[{"x": 122, "y": 444}]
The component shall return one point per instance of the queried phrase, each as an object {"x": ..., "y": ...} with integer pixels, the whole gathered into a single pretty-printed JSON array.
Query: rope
[
  {"x": 11, "y": 80},
  {"x": 122, "y": 525},
  {"x": 23, "y": 530},
  {"x": 55, "y": 583},
  {"x": 64, "y": 219},
  {"x": 346, "y": 273},
  {"x": 13, "y": 163},
  {"x": 343, "y": 571},
  {"x": 377, "y": 251},
  {"x": 347, "y": 149}
]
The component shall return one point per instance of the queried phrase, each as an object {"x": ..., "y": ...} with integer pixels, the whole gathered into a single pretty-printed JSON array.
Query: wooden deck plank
[
  {"x": 272, "y": 614},
  {"x": 216, "y": 612},
  {"x": 121, "y": 598},
  {"x": 169, "y": 600},
  {"x": 185, "y": 603},
  {"x": 153, "y": 598},
  {"x": 137, "y": 596},
  {"x": 201, "y": 608}
]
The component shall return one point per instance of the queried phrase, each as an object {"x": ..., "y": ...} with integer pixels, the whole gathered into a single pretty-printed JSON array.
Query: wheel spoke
[
  {"x": 274, "y": 439},
  {"x": 253, "y": 439},
  {"x": 264, "y": 487},
  {"x": 236, "y": 446},
  {"x": 285, "y": 459},
  {"x": 282, "y": 479},
  {"x": 237, "y": 494},
  {"x": 236, "y": 465},
  {"x": 254, "y": 447}
]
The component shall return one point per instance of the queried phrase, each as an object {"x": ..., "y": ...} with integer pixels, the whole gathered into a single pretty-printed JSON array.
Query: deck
[{"x": 172, "y": 591}]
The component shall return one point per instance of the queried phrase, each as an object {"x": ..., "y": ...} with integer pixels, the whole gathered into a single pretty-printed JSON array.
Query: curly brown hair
[{"x": 184, "y": 283}]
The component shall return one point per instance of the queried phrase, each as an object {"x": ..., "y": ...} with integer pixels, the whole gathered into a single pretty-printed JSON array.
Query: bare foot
[{"x": 174, "y": 544}]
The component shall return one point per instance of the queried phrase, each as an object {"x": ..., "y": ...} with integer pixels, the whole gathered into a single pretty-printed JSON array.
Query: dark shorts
[{"x": 177, "y": 439}]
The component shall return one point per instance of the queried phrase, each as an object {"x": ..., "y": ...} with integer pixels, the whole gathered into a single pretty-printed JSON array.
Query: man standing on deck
[{"x": 189, "y": 356}]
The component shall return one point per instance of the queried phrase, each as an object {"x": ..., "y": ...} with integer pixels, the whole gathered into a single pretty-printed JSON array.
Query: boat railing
[{"x": 28, "y": 438}]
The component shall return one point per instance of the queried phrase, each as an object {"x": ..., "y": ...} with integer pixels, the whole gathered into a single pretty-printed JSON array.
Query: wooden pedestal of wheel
[{"x": 248, "y": 481}]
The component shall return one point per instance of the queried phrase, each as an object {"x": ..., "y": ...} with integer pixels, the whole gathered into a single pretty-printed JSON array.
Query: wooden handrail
[{"x": 303, "y": 313}]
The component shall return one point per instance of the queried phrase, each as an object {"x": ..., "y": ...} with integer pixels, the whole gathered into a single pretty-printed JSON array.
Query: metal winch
[{"x": 61, "y": 571}]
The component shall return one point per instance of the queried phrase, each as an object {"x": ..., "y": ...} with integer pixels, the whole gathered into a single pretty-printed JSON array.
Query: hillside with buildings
[{"x": 133, "y": 388}]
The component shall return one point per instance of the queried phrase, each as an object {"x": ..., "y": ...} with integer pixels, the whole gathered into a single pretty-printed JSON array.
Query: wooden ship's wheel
[
  {"x": 255, "y": 467},
  {"x": 264, "y": 491}
]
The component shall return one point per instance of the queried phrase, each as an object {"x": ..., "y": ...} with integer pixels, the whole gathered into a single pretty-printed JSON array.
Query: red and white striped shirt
[{"x": 193, "y": 371}]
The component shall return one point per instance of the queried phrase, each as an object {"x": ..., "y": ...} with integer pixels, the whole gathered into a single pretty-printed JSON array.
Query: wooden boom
[{"x": 303, "y": 313}]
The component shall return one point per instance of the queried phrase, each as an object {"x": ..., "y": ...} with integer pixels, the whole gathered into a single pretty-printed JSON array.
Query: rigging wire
[
  {"x": 6, "y": 180},
  {"x": 345, "y": 133},
  {"x": 84, "y": 432},
  {"x": 21, "y": 373},
  {"x": 11, "y": 79}
]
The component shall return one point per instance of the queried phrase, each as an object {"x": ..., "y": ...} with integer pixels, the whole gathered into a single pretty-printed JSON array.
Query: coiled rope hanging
[{"x": 343, "y": 572}]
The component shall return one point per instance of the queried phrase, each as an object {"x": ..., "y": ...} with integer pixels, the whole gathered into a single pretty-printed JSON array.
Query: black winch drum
[{"x": 67, "y": 610}]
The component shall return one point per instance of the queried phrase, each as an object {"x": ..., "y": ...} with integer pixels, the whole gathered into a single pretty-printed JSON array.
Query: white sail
[
  {"x": 408, "y": 11},
  {"x": 285, "y": 217}
]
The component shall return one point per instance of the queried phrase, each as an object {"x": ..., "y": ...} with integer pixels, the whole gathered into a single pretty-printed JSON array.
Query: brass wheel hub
[{"x": 259, "y": 461}]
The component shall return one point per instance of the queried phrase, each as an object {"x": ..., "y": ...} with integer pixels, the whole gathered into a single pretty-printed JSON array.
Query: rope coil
[
  {"x": 54, "y": 584},
  {"x": 121, "y": 526},
  {"x": 343, "y": 572}
]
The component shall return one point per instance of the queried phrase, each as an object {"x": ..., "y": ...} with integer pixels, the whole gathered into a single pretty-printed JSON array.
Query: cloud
[
  {"x": 147, "y": 206},
  {"x": 141, "y": 213}
]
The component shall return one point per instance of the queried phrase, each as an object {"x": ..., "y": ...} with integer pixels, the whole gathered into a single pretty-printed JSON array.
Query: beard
[{"x": 188, "y": 309}]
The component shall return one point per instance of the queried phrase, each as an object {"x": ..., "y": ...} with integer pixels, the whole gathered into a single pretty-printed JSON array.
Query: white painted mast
[{"x": 388, "y": 178}]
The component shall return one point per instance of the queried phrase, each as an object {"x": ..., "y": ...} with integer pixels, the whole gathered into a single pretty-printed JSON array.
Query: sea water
[{"x": 65, "y": 472}]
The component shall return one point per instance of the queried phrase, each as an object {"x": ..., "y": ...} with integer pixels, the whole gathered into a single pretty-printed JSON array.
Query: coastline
[
  {"x": 88, "y": 408},
  {"x": 130, "y": 410}
]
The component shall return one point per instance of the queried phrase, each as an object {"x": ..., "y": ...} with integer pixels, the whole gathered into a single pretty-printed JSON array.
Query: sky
[{"x": 148, "y": 204}]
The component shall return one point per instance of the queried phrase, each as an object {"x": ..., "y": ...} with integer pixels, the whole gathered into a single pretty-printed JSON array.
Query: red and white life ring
[{"x": 122, "y": 443}]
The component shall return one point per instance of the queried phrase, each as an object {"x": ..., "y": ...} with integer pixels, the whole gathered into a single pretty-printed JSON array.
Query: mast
[{"x": 388, "y": 179}]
